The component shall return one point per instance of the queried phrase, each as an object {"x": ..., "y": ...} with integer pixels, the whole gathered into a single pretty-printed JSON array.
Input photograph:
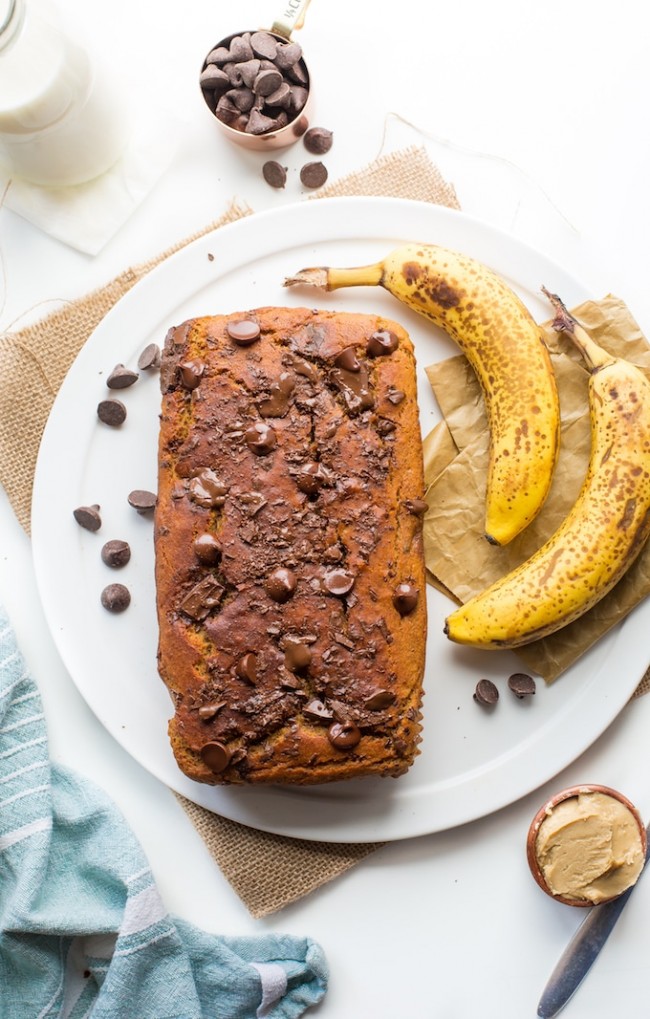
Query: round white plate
[{"x": 472, "y": 761}]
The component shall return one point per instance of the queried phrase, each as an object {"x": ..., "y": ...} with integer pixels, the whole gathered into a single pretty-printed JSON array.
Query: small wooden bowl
[{"x": 546, "y": 809}]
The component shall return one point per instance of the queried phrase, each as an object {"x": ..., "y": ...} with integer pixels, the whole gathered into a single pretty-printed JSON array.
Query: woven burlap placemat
[{"x": 267, "y": 871}]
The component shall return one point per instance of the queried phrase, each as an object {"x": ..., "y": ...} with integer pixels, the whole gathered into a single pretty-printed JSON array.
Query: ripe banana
[
  {"x": 505, "y": 347},
  {"x": 605, "y": 530}
]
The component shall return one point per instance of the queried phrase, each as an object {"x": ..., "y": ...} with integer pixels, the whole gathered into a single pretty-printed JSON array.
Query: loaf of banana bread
[{"x": 288, "y": 538}]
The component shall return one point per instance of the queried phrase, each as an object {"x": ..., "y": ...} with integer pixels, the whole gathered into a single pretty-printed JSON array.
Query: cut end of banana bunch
[
  {"x": 603, "y": 533},
  {"x": 506, "y": 349}
]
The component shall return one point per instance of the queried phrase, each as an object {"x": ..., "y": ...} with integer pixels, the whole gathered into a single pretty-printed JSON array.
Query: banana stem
[
  {"x": 564, "y": 322},
  {"x": 328, "y": 278}
]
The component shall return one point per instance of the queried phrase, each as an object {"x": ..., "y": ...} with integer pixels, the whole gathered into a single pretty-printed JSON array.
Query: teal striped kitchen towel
[{"x": 84, "y": 932}]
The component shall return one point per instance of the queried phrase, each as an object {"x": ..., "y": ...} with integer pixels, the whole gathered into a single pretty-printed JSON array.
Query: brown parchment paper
[{"x": 459, "y": 559}]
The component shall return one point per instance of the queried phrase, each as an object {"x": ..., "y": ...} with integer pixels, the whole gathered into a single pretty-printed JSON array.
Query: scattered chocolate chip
[
  {"x": 297, "y": 657},
  {"x": 317, "y": 711},
  {"x": 207, "y": 549},
  {"x": 521, "y": 684},
  {"x": 396, "y": 396},
  {"x": 311, "y": 478},
  {"x": 343, "y": 735},
  {"x": 116, "y": 553},
  {"x": 348, "y": 360},
  {"x": 417, "y": 507},
  {"x": 381, "y": 343},
  {"x": 207, "y": 490},
  {"x": 216, "y": 756},
  {"x": 202, "y": 598},
  {"x": 150, "y": 357},
  {"x": 111, "y": 412},
  {"x": 121, "y": 377},
  {"x": 318, "y": 140},
  {"x": 142, "y": 501},
  {"x": 313, "y": 175},
  {"x": 116, "y": 597},
  {"x": 274, "y": 173},
  {"x": 405, "y": 598},
  {"x": 209, "y": 711},
  {"x": 338, "y": 582},
  {"x": 244, "y": 332},
  {"x": 385, "y": 426},
  {"x": 277, "y": 404},
  {"x": 260, "y": 438},
  {"x": 486, "y": 693},
  {"x": 281, "y": 584},
  {"x": 379, "y": 699},
  {"x": 190, "y": 374},
  {"x": 88, "y": 517},
  {"x": 246, "y": 668}
]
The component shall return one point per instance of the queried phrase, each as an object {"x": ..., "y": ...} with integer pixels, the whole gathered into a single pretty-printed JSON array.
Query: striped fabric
[{"x": 83, "y": 929}]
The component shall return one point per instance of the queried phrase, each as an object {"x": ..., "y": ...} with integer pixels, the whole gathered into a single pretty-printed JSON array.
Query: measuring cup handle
[{"x": 292, "y": 17}]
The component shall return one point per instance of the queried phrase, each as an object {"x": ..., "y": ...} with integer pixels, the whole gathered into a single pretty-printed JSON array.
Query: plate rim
[{"x": 136, "y": 294}]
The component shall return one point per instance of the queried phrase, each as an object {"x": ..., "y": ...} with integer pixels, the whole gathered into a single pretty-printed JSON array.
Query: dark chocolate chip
[
  {"x": 348, "y": 360},
  {"x": 190, "y": 373},
  {"x": 317, "y": 711},
  {"x": 417, "y": 507},
  {"x": 244, "y": 332},
  {"x": 385, "y": 426},
  {"x": 338, "y": 582},
  {"x": 344, "y": 735},
  {"x": 266, "y": 82},
  {"x": 240, "y": 48},
  {"x": 111, "y": 412},
  {"x": 318, "y": 140},
  {"x": 313, "y": 175},
  {"x": 274, "y": 173},
  {"x": 281, "y": 97},
  {"x": 88, "y": 517},
  {"x": 209, "y": 711},
  {"x": 207, "y": 490},
  {"x": 521, "y": 684},
  {"x": 214, "y": 79},
  {"x": 287, "y": 56},
  {"x": 297, "y": 657},
  {"x": 379, "y": 699},
  {"x": 207, "y": 549},
  {"x": 264, "y": 45},
  {"x": 405, "y": 598},
  {"x": 249, "y": 71},
  {"x": 281, "y": 584},
  {"x": 486, "y": 693},
  {"x": 277, "y": 403},
  {"x": 260, "y": 438},
  {"x": 150, "y": 357},
  {"x": 311, "y": 478},
  {"x": 121, "y": 377},
  {"x": 216, "y": 756},
  {"x": 259, "y": 123},
  {"x": 220, "y": 55},
  {"x": 116, "y": 553},
  {"x": 202, "y": 598},
  {"x": 396, "y": 396},
  {"x": 246, "y": 668},
  {"x": 142, "y": 501},
  {"x": 381, "y": 343},
  {"x": 116, "y": 597}
]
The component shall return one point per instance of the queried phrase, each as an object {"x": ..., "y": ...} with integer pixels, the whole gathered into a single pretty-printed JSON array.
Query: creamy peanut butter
[{"x": 589, "y": 847}]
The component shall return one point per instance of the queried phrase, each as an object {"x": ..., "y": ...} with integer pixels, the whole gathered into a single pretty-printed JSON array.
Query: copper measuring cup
[{"x": 291, "y": 118}]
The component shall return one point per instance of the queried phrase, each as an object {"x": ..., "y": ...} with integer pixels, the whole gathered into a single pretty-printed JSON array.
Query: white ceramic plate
[{"x": 472, "y": 762}]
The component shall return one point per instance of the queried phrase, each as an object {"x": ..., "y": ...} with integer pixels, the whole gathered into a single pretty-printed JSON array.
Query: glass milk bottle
[{"x": 61, "y": 121}]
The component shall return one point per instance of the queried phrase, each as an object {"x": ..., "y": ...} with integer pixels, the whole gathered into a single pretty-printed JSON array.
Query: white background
[{"x": 554, "y": 97}]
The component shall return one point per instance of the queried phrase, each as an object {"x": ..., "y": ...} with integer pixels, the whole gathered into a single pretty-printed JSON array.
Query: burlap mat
[{"x": 267, "y": 871}]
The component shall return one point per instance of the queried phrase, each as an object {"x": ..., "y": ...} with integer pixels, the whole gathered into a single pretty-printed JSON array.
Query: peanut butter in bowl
[{"x": 586, "y": 845}]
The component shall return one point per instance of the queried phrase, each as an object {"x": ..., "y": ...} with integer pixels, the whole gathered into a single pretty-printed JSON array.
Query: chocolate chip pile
[
  {"x": 255, "y": 82},
  {"x": 116, "y": 553}
]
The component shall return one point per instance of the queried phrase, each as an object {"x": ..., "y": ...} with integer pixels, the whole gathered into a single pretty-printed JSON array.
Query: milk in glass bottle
[{"x": 61, "y": 120}]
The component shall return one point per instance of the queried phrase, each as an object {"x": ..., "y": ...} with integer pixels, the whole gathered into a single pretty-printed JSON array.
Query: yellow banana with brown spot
[
  {"x": 504, "y": 345},
  {"x": 605, "y": 530}
]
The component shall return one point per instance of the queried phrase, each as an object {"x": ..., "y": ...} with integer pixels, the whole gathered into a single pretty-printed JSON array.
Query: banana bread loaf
[{"x": 288, "y": 537}]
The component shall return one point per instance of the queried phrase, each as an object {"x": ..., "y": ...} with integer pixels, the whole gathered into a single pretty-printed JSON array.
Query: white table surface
[{"x": 449, "y": 925}]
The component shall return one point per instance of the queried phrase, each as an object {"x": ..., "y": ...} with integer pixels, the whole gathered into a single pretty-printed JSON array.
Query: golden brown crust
[{"x": 289, "y": 676}]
